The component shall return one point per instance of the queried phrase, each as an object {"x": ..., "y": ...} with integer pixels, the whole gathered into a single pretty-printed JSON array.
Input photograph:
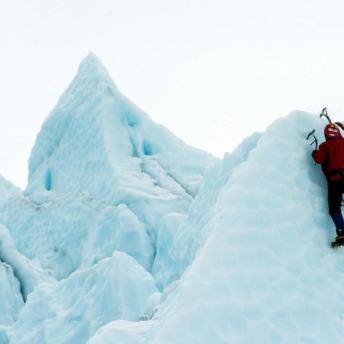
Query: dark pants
[{"x": 335, "y": 191}]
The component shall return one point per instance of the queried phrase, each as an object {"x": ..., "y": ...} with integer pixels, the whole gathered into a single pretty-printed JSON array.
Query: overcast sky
[{"x": 212, "y": 71}]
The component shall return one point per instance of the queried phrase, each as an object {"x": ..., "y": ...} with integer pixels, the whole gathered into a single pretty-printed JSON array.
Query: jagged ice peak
[{"x": 94, "y": 125}]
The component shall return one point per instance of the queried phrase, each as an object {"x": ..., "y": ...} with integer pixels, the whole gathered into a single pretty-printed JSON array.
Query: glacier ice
[
  {"x": 124, "y": 234},
  {"x": 121, "y": 331},
  {"x": 181, "y": 237},
  {"x": 74, "y": 231},
  {"x": 11, "y": 299},
  {"x": 266, "y": 273},
  {"x": 101, "y": 176},
  {"x": 71, "y": 310},
  {"x": 7, "y": 189},
  {"x": 97, "y": 133},
  {"x": 28, "y": 274}
]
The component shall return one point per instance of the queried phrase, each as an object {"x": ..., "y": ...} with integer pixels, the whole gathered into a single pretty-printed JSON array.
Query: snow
[{"x": 125, "y": 234}]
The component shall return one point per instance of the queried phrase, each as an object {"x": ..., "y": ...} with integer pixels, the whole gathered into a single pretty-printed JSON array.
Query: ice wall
[
  {"x": 266, "y": 272},
  {"x": 180, "y": 237},
  {"x": 28, "y": 274}
]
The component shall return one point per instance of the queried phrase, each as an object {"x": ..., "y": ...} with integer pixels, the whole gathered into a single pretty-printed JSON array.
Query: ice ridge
[{"x": 266, "y": 272}]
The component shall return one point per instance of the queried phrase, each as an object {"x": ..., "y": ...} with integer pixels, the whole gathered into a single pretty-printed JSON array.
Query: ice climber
[{"x": 331, "y": 157}]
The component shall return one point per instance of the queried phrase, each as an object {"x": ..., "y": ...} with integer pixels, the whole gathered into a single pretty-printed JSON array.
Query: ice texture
[
  {"x": 125, "y": 234},
  {"x": 11, "y": 299},
  {"x": 24, "y": 269},
  {"x": 75, "y": 231},
  {"x": 180, "y": 237},
  {"x": 121, "y": 331},
  {"x": 7, "y": 189},
  {"x": 71, "y": 310}
]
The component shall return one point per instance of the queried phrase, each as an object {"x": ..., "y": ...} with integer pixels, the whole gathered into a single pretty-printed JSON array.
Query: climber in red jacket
[{"x": 331, "y": 157}]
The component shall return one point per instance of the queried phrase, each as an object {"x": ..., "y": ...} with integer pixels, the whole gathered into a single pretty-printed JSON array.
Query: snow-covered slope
[{"x": 119, "y": 237}]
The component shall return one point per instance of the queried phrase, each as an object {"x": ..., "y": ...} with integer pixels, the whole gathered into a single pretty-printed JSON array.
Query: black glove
[{"x": 340, "y": 124}]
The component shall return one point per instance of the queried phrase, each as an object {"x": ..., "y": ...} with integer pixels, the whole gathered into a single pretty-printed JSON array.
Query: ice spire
[
  {"x": 90, "y": 140},
  {"x": 100, "y": 168}
]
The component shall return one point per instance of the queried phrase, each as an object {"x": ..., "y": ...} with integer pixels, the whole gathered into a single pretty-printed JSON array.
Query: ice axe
[
  {"x": 315, "y": 139},
  {"x": 324, "y": 113}
]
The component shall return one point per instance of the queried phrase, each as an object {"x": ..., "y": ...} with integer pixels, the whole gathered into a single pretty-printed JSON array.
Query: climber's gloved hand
[{"x": 340, "y": 124}]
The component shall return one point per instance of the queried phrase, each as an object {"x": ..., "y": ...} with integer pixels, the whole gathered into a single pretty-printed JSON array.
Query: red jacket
[{"x": 331, "y": 157}]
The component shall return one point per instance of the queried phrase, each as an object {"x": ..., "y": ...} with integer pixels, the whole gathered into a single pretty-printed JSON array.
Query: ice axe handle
[
  {"x": 324, "y": 113},
  {"x": 315, "y": 139}
]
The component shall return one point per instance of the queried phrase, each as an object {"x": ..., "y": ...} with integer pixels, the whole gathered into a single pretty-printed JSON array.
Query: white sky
[{"x": 212, "y": 71}]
